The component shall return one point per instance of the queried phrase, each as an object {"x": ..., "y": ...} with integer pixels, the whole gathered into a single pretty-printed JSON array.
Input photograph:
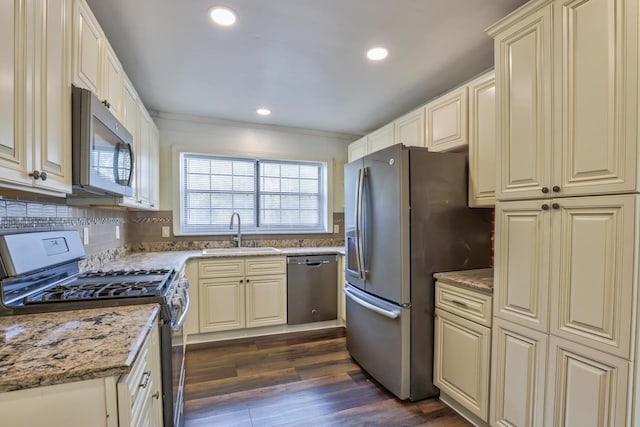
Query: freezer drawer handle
[{"x": 386, "y": 313}]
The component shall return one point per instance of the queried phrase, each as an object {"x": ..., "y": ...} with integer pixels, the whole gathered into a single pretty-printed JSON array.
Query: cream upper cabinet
[
  {"x": 87, "y": 46},
  {"x": 518, "y": 374},
  {"x": 52, "y": 106},
  {"x": 523, "y": 94},
  {"x": 113, "y": 83},
  {"x": 447, "y": 121},
  {"x": 154, "y": 167},
  {"x": 596, "y": 92},
  {"x": 13, "y": 146},
  {"x": 143, "y": 159},
  {"x": 461, "y": 361},
  {"x": 409, "y": 129},
  {"x": 587, "y": 388},
  {"x": 592, "y": 270},
  {"x": 35, "y": 115},
  {"x": 357, "y": 149},
  {"x": 584, "y": 141},
  {"x": 381, "y": 138},
  {"x": 482, "y": 141},
  {"x": 522, "y": 244}
]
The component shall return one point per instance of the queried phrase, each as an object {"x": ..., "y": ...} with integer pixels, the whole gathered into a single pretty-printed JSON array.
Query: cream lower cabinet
[
  {"x": 518, "y": 375},
  {"x": 140, "y": 391},
  {"x": 235, "y": 293},
  {"x": 587, "y": 388},
  {"x": 462, "y": 347}
]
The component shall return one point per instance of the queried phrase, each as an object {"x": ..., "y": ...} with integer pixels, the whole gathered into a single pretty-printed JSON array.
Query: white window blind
[{"x": 269, "y": 195}]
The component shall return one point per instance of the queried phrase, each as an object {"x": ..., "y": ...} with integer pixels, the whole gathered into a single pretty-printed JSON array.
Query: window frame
[{"x": 325, "y": 199}]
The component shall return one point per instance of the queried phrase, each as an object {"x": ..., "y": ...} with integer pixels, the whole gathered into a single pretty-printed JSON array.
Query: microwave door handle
[
  {"x": 360, "y": 223},
  {"x": 116, "y": 160},
  {"x": 132, "y": 164}
]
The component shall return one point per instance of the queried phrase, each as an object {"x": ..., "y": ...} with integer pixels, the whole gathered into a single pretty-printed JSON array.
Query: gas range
[{"x": 39, "y": 273}]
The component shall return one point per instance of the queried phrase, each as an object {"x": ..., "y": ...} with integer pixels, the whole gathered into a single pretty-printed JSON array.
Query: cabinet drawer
[
  {"x": 137, "y": 380},
  {"x": 265, "y": 265},
  {"x": 221, "y": 268},
  {"x": 474, "y": 306}
]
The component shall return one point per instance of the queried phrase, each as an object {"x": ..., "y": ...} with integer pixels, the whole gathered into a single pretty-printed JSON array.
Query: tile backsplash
[{"x": 139, "y": 230}]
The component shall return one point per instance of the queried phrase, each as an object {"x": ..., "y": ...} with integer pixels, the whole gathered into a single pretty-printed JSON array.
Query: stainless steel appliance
[
  {"x": 312, "y": 282},
  {"x": 406, "y": 217},
  {"x": 102, "y": 160},
  {"x": 39, "y": 272}
]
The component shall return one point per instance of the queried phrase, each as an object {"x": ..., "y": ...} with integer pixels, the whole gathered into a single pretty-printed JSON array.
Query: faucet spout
[{"x": 238, "y": 237}]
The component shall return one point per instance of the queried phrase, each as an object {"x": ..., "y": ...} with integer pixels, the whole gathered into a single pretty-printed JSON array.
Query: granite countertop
[
  {"x": 61, "y": 347},
  {"x": 176, "y": 259},
  {"x": 477, "y": 280}
]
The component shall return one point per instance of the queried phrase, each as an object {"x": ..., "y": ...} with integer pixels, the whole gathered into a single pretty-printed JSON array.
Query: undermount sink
[{"x": 238, "y": 251}]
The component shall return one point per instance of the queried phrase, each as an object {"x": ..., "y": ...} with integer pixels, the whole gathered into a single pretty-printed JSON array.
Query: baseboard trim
[
  {"x": 257, "y": 332},
  {"x": 464, "y": 412}
]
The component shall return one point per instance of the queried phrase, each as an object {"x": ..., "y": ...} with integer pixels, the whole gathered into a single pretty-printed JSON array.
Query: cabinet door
[
  {"x": 221, "y": 304},
  {"x": 381, "y": 138},
  {"x": 112, "y": 82},
  {"x": 587, "y": 388},
  {"x": 154, "y": 167},
  {"x": 461, "y": 361},
  {"x": 596, "y": 90},
  {"x": 52, "y": 103},
  {"x": 518, "y": 372},
  {"x": 592, "y": 271},
  {"x": 87, "y": 49},
  {"x": 409, "y": 129},
  {"x": 144, "y": 157},
  {"x": 482, "y": 141},
  {"x": 14, "y": 154},
  {"x": 266, "y": 300},
  {"x": 130, "y": 121},
  {"x": 447, "y": 121},
  {"x": 522, "y": 245},
  {"x": 523, "y": 94},
  {"x": 357, "y": 149}
]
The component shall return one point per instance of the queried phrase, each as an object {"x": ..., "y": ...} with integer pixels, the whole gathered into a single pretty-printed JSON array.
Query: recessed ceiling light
[
  {"x": 263, "y": 111},
  {"x": 222, "y": 16},
  {"x": 377, "y": 53}
]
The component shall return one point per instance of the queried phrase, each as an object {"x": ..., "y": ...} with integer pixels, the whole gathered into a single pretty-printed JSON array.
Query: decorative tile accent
[{"x": 16, "y": 209}]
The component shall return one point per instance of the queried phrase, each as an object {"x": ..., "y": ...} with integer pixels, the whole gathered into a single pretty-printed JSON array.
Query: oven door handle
[{"x": 180, "y": 322}]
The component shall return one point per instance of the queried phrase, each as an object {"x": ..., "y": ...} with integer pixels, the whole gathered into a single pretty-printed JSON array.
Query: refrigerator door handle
[
  {"x": 362, "y": 173},
  {"x": 391, "y": 314},
  {"x": 359, "y": 189}
]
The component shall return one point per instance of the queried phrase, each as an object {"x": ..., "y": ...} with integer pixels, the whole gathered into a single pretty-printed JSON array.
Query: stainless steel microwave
[{"x": 102, "y": 161}]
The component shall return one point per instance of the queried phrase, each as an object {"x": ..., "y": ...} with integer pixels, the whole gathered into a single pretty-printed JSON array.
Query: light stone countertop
[
  {"x": 67, "y": 346},
  {"x": 176, "y": 259},
  {"x": 477, "y": 280}
]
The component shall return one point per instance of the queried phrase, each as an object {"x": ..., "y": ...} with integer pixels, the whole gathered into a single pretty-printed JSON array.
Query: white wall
[{"x": 220, "y": 137}]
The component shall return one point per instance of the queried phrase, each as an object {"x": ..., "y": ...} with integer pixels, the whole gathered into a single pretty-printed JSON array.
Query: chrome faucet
[{"x": 238, "y": 237}]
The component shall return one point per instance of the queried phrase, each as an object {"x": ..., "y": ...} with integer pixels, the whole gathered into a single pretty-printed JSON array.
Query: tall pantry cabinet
[{"x": 567, "y": 217}]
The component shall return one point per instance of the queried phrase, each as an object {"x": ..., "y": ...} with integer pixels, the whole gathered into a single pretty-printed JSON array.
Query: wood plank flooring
[{"x": 300, "y": 379}]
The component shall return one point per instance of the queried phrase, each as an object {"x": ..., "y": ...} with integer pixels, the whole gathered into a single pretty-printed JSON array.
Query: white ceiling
[{"x": 304, "y": 59}]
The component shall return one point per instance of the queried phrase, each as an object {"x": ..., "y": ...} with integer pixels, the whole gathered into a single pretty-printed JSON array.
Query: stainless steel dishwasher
[{"x": 312, "y": 288}]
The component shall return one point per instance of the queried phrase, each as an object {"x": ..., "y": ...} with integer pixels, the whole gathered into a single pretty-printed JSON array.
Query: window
[{"x": 270, "y": 195}]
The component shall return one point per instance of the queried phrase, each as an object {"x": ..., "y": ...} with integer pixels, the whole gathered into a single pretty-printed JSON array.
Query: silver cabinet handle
[
  {"x": 145, "y": 380},
  {"x": 386, "y": 313}
]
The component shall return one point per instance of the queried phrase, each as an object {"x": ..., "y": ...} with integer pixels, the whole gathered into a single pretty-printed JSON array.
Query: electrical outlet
[
  {"x": 85, "y": 235},
  {"x": 165, "y": 231},
  {"x": 117, "y": 232},
  {"x": 336, "y": 228}
]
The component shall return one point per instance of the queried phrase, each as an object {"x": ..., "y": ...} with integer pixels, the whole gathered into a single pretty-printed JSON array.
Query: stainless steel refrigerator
[{"x": 406, "y": 217}]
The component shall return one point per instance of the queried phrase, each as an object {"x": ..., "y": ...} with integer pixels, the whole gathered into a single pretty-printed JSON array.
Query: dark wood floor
[{"x": 301, "y": 379}]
